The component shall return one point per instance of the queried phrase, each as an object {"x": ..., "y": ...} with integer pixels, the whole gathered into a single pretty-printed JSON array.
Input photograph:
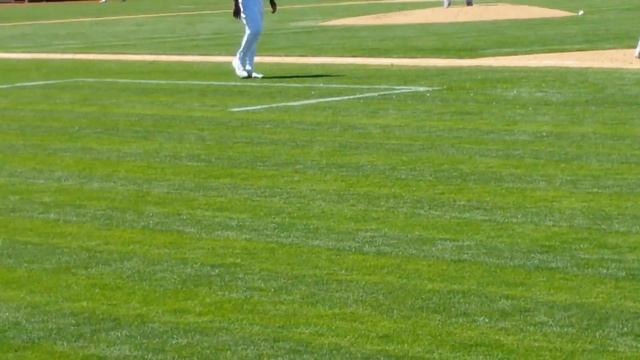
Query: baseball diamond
[{"x": 319, "y": 179}]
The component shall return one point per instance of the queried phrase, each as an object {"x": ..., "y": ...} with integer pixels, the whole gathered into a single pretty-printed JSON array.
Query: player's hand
[
  {"x": 274, "y": 6},
  {"x": 236, "y": 10}
]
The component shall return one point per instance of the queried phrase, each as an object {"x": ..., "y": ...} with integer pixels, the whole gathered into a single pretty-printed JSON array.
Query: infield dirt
[
  {"x": 612, "y": 59},
  {"x": 484, "y": 12}
]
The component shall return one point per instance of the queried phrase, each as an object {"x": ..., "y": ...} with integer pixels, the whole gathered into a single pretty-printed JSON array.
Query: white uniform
[{"x": 252, "y": 17}]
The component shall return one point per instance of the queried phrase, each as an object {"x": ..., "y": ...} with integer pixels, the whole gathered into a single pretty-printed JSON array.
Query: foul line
[
  {"x": 203, "y": 12},
  {"x": 123, "y": 17},
  {"x": 389, "y": 90}
]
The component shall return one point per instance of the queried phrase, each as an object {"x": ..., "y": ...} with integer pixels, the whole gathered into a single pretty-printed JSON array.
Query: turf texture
[{"x": 496, "y": 216}]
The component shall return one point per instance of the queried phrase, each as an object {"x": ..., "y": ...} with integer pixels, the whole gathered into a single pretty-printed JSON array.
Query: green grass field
[{"x": 487, "y": 213}]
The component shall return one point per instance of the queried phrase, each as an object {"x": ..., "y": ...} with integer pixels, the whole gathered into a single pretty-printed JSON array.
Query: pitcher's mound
[{"x": 484, "y": 12}]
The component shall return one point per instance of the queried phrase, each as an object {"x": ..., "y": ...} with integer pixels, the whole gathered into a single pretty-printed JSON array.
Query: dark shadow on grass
[{"x": 311, "y": 76}]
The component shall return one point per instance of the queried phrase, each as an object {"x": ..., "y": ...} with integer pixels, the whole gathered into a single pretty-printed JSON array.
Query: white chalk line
[
  {"x": 390, "y": 90},
  {"x": 202, "y": 12},
  {"x": 393, "y": 90},
  {"x": 216, "y": 83},
  {"x": 321, "y": 100},
  {"x": 123, "y": 17},
  {"x": 256, "y": 83},
  {"x": 35, "y": 83}
]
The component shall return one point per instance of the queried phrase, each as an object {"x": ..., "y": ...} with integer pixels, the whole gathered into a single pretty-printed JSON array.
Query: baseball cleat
[
  {"x": 237, "y": 67},
  {"x": 255, "y": 75},
  {"x": 469, "y": 2}
]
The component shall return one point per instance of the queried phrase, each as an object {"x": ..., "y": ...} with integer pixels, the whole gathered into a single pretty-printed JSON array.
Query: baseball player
[
  {"x": 447, "y": 3},
  {"x": 251, "y": 12}
]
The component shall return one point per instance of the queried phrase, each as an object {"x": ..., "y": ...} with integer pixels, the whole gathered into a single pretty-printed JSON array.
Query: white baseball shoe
[
  {"x": 255, "y": 75},
  {"x": 240, "y": 71}
]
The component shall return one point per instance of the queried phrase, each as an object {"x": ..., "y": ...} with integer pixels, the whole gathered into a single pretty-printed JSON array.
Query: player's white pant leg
[
  {"x": 252, "y": 15},
  {"x": 638, "y": 50},
  {"x": 251, "y": 56},
  {"x": 252, "y": 49}
]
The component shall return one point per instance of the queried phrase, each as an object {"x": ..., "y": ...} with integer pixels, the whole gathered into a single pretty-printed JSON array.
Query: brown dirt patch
[
  {"x": 612, "y": 59},
  {"x": 620, "y": 59},
  {"x": 481, "y": 12}
]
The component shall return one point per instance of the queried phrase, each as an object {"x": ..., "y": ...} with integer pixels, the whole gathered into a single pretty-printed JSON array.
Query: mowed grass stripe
[
  {"x": 158, "y": 285},
  {"x": 412, "y": 217},
  {"x": 473, "y": 196}
]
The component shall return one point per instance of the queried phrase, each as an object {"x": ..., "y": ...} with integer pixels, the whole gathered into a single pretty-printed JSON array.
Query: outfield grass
[{"x": 495, "y": 217}]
